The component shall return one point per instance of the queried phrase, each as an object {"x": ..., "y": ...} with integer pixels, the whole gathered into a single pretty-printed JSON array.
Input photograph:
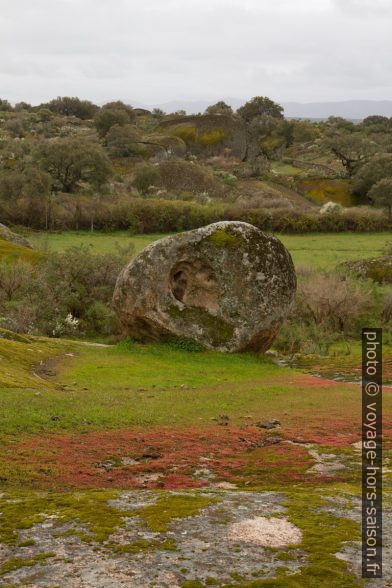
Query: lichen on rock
[{"x": 227, "y": 286}]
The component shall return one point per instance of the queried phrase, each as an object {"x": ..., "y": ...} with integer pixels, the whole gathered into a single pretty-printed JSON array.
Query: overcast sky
[{"x": 153, "y": 51}]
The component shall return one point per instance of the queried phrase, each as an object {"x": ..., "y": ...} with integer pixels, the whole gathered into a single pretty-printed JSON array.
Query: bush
[
  {"x": 106, "y": 118},
  {"x": 66, "y": 293},
  {"x": 332, "y": 300},
  {"x": 14, "y": 278},
  {"x": 329, "y": 307},
  {"x": 119, "y": 212},
  {"x": 145, "y": 177},
  {"x": 72, "y": 106}
]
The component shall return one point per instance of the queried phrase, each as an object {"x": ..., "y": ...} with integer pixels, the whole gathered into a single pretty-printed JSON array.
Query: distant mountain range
[{"x": 351, "y": 109}]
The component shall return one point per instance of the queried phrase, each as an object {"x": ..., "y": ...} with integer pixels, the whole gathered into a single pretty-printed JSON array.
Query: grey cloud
[
  {"x": 155, "y": 51},
  {"x": 368, "y": 8}
]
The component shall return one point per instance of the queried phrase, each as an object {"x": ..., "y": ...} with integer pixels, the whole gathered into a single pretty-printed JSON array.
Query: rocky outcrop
[
  {"x": 227, "y": 286},
  {"x": 378, "y": 269},
  {"x": 330, "y": 208},
  {"x": 214, "y": 134},
  {"x": 8, "y": 235}
]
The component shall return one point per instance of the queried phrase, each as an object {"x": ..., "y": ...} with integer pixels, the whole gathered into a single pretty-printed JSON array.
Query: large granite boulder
[{"x": 227, "y": 286}]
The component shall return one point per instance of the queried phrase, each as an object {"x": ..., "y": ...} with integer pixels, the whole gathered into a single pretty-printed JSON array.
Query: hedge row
[{"x": 161, "y": 216}]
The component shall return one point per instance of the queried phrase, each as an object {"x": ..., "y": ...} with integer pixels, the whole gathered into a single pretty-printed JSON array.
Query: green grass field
[
  {"x": 315, "y": 250},
  {"x": 99, "y": 242}
]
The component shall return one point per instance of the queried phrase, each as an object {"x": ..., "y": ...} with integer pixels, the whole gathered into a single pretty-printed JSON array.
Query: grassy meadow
[{"x": 321, "y": 251}]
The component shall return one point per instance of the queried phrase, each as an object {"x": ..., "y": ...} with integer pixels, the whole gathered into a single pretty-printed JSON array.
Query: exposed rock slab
[
  {"x": 8, "y": 235},
  {"x": 227, "y": 286}
]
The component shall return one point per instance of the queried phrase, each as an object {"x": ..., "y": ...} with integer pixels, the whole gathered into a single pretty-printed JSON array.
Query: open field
[{"x": 315, "y": 250}]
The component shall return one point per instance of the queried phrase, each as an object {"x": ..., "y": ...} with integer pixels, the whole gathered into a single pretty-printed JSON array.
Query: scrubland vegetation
[{"x": 70, "y": 164}]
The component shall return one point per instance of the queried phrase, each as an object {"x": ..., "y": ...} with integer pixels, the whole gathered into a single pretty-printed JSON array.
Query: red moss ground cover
[{"x": 169, "y": 458}]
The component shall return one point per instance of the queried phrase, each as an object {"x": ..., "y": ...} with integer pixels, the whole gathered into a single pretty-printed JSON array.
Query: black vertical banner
[{"x": 371, "y": 453}]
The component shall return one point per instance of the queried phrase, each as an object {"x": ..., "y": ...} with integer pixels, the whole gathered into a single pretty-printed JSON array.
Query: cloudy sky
[{"x": 153, "y": 51}]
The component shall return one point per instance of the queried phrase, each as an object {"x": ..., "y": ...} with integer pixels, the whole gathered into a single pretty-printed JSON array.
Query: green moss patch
[
  {"x": 21, "y": 511},
  {"x": 225, "y": 239}
]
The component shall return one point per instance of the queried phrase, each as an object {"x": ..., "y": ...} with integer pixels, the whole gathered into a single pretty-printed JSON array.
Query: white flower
[{"x": 71, "y": 321}]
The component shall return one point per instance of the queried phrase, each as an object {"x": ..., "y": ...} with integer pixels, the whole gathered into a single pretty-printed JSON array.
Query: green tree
[
  {"x": 381, "y": 195},
  {"x": 123, "y": 141},
  {"x": 376, "y": 169},
  {"x": 258, "y": 106},
  {"x": 351, "y": 149},
  {"x": 376, "y": 119},
  {"x": 5, "y": 105},
  {"x": 271, "y": 133},
  {"x": 119, "y": 105},
  {"x": 26, "y": 189},
  {"x": 305, "y": 131},
  {"x": 219, "y": 108},
  {"x": 146, "y": 176},
  {"x": 158, "y": 113},
  {"x": 72, "y": 106},
  {"x": 106, "y": 118},
  {"x": 16, "y": 127},
  {"x": 338, "y": 122},
  {"x": 20, "y": 106},
  {"x": 72, "y": 160}
]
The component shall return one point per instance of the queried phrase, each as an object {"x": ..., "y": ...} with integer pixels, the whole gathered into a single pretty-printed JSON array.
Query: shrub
[
  {"x": 106, "y": 118},
  {"x": 66, "y": 293},
  {"x": 299, "y": 337},
  {"x": 145, "y": 177},
  {"x": 381, "y": 194},
  {"x": 376, "y": 169},
  {"x": 14, "y": 278},
  {"x": 72, "y": 106},
  {"x": 122, "y": 141},
  {"x": 332, "y": 300},
  {"x": 329, "y": 307}
]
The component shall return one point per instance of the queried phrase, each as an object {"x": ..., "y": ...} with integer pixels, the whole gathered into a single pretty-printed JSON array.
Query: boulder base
[{"x": 227, "y": 286}]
